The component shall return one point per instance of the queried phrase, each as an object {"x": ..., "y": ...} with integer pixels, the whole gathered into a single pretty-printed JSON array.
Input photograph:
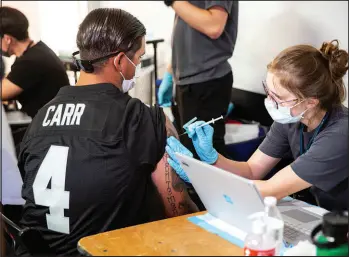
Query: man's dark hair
[
  {"x": 108, "y": 30},
  {"x": 13, "y": 23}
]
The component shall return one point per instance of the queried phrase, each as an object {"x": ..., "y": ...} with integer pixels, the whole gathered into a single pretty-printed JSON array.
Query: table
[
  {"x": 18, "y": 118},
  {"x": 169, "y": 237}
]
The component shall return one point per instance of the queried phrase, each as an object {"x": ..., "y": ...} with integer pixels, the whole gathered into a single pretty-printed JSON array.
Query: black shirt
[
  {"x": 87, "y": 160},
  {"x": 40, "y": 73}
]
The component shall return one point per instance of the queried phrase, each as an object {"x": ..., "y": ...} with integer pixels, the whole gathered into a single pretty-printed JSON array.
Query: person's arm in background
[
  {"x": 9, "y": 90},
  {"x": 210, "y": 22}
]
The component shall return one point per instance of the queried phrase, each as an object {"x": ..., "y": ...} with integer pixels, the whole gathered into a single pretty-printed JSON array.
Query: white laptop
[{"x": 233, "y": 199}]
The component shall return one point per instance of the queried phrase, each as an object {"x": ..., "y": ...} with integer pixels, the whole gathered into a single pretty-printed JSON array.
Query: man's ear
[
  {"x": 8, "y": 39},
  {"x": 117, "y": 61}
]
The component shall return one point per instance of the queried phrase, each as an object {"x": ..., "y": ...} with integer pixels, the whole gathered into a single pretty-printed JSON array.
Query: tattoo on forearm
[
  {"x": 177, "y": 184},
  {"x": 170, "y": 197}
]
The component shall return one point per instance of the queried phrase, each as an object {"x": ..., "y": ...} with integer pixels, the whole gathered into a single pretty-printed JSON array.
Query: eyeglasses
[{"x": 276, "y": 103}]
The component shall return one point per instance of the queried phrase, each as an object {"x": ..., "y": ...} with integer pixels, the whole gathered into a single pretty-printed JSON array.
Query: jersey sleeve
[
  {"x": 325, "y": 164},
  {"x": 227, "y": 5},
  {"x": 24, "y": 73},
  {"x": 276, "y": 143},
  {"x": 144, "y": 133}
]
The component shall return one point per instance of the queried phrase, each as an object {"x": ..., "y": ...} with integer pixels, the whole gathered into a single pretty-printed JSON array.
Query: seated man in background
[
  {"x": 93, "y": 159},
  {"x": 37, "y": 73}
]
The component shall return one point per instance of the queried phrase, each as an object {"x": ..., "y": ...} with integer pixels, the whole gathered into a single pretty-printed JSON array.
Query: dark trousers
[{"x": 206, "y": 100}]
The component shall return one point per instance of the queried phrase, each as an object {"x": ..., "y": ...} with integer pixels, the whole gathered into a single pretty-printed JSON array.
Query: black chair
[{"x": 28, "y": 239}]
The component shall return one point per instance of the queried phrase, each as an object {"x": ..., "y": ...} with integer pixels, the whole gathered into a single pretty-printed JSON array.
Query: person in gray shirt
[
  {"x": 203, "y": 39},
  {"x": 305, "y": 91}
]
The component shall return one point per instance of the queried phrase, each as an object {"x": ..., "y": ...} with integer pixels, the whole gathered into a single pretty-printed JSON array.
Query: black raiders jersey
[{"x": 87, "y": 160}]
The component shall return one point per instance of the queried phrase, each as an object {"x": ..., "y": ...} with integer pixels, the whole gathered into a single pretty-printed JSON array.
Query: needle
[{"x": 206, "y": 123}]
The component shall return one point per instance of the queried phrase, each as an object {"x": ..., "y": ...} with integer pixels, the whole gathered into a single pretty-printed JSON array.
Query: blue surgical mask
[{"x": 282, "y": 114}]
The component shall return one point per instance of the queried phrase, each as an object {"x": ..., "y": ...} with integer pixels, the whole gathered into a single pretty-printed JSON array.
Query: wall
[{"x": 266, "y": 28}]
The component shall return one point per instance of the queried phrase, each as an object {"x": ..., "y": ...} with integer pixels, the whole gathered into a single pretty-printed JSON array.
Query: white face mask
[
  {"x": 283, "y": 114},
  {"x": 128, "y": 84}
]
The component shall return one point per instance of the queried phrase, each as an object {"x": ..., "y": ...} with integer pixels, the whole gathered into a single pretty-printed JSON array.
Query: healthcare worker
[
  {"x": 305, "y": 91},
  {"x": 203, "y": 40}
]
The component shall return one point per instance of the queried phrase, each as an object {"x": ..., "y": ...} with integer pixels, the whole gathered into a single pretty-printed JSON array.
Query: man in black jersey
[{"x": 94, "y": 158}]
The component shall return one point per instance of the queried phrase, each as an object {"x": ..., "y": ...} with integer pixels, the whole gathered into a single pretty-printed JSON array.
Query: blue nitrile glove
[
  {"x": 203, "y": 141},
  {"x": 174, "y": 146},
  {"x": 165, "y": 90}
]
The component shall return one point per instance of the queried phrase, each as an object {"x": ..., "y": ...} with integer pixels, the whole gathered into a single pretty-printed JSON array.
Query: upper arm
[
  {"x": 273, "y": 148},
  {"x": 171, "y": 188},
  {"x": 282, "y": 184},
  {"x": 9, "y": 90},
  {"x": 261, "y": 164}
]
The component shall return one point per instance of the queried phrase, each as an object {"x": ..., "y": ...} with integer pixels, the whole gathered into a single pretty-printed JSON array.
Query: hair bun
[{"x": 338, "y": 59}]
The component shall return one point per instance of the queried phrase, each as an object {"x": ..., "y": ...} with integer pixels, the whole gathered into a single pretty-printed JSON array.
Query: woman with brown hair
[{"x": 305, "y": 91}]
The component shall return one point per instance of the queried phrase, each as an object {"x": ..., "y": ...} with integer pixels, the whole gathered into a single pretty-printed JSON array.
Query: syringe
[{"x": 206, "y": 123}]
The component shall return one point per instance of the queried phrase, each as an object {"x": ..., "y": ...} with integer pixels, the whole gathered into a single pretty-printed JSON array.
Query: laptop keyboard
[{"x": 294, "y": 233}]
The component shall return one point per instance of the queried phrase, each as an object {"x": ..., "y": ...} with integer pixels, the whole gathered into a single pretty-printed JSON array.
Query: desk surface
[
  {"x": 18, "y": 118},
  {"x": 170, "y": 237}
]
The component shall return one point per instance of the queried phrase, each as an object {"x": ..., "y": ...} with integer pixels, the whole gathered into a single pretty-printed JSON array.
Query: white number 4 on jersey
[{"x": 54, "y": 168}]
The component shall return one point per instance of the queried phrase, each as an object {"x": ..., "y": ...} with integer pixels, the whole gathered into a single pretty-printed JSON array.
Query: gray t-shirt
[
  {"x": 325, "y": 164},
  {"x": 197, "y": 58}
]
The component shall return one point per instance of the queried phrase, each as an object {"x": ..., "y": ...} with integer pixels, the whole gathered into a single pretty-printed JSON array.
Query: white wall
[{"x": 267, "y": 27}]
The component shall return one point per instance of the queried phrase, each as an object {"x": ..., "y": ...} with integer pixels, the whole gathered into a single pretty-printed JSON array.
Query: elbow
[{"x": 214, "y": 32}]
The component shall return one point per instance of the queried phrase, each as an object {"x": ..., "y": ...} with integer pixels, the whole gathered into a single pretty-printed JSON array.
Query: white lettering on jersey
[
  {"x": 50, "y": 109},
  {"x": 79, "y": 110},
  {"x": 68, "y": 112},
  {"x": 57, "y": 117},
  {"x": 64, "y": 115},
  {"x": 53, "y": 168}
]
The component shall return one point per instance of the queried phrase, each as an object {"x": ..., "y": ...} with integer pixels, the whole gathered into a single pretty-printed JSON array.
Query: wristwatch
[{"x": 168, "y": 2}]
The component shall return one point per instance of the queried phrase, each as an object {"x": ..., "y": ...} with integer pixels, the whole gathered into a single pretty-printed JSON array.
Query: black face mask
[{"x": 5, "y": 53}]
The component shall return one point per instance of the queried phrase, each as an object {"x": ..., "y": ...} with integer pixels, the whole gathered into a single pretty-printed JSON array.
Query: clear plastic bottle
[
  {"x": 274, "y": 221},
  {"x": 258, "y": 243}
]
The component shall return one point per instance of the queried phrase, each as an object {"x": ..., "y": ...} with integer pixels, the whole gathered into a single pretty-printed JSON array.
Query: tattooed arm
[{"x": 171, "y": 188}]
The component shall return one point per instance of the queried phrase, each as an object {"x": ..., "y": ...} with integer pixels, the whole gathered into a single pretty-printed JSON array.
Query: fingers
[
  {"x": 171, "y": 153},
  {"x": 174, "y": 145},
  {"x": 208, "y": 130},
  {"x": 181, "y": 173},
  {"x": 192, "y": 127}
]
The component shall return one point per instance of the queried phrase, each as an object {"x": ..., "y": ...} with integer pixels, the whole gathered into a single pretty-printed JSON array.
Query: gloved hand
[
  {"x": 203, "y": 141},
  {"x": 174, "y": 146},
  {"x": 165, "y": 90}
]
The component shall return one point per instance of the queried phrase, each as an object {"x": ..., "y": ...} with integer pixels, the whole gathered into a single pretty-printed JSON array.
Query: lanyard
[{"x": 301, "y": 143}]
